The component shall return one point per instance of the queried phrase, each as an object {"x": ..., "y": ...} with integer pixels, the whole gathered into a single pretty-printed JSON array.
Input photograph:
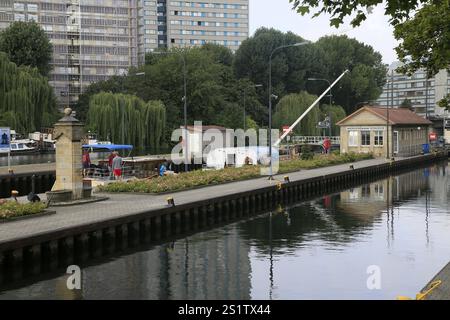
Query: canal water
[{"x": 374, "y": 241}]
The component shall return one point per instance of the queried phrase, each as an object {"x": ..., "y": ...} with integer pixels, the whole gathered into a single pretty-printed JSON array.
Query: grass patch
[
  {"x": 12, "y": 209},
  {"x": 200, "y": 178}
]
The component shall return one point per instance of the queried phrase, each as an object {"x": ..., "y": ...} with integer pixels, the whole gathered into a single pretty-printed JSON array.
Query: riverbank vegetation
[
  {"x": 193, "y": 179},
  {"x": 11, "y": 209}
]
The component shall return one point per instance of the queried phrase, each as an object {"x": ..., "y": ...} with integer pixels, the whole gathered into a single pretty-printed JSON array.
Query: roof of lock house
[{"x": 397, "y": 116}]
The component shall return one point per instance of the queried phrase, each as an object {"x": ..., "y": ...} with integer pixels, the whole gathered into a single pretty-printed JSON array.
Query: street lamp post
[
  {"x": 245, "y": 93},
  {"x": 270, "y": 98},
  {"x": 184, "y": 99}
]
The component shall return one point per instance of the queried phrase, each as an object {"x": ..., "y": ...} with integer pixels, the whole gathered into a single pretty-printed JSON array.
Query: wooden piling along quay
[{"x": 62, "y": 247}]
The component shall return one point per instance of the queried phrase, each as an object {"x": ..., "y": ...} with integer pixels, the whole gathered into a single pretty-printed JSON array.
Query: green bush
[
  {"x": 306, "y": 153},
  {"x": 12, "y": 209}
]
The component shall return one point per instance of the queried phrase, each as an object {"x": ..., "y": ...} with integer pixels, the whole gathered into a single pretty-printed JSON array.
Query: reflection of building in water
[
  {"x": 200, "y": 267},
  {"x": 215, "y": 268},
  {"x": 438, "y": 183},
  {"x": 372, "y": 199}
]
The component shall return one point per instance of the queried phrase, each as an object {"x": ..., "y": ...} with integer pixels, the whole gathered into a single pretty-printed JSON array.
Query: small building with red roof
[{"x": 364, "y": 131}]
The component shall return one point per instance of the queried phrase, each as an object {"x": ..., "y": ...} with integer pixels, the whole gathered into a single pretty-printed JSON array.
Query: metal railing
[{"x": 315, "y": 140}]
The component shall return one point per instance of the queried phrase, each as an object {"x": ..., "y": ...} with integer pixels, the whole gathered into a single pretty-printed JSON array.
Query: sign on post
[{"x": 5, "y": 140}]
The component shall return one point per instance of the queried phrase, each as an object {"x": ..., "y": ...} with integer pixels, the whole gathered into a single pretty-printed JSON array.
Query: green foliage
[
  {"x": 291, "y": 107},
  {"x": 214, "y": 94},
  {"x": 127, "y": 119},
  {"x": 406, "y": 103},
  {"x": 27, "y": 102},
  {"x": 306, "y": 153},
  {"x": 193, "y": 179},
  {"x": 327, "y": 59},
  {"x": 367, "y": 71},
  {"x": 26, "y": 44},
  {"x": 422, "y": 27},
  {"x": 445, "y": 103},
  {"x": 425, "y": 39},
  {"x": 13, "y": 209}
]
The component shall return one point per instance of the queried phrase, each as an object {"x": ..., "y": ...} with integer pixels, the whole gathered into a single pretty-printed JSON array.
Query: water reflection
[{"x": 315, "y": 250}]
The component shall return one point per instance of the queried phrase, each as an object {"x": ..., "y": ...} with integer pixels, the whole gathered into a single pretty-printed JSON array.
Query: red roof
[{"x": 397, "y": 116}]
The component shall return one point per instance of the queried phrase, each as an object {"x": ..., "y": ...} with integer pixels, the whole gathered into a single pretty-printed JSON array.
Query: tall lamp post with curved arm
[{"x": 271, "y": 96}]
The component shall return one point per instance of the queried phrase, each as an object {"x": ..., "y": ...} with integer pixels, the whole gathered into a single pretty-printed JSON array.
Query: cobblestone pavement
[{"x": 120, "y": 205}]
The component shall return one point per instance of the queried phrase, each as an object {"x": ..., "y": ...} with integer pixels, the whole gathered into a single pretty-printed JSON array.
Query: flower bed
[
  {"x": 12, "y": 209},
  {"x": 195, "y": 179}
]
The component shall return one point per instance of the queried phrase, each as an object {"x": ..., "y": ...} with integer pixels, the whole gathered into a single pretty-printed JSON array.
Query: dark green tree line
[
  {"x": 27, "y": 101},
  {"x": 26, "y": 44}
]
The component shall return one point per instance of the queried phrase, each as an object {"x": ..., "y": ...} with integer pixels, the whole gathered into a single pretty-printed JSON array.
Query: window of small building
[
  {"x": 365, "y": 138},
  {"x": 378, "y": 138},
  {"x": 353, "y": 138}
]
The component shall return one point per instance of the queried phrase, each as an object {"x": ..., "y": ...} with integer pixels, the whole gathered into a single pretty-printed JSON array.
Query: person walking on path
[
  {"x": 110, "y": 161},
  {"x": 117, "y": 166},
  {"x": 327, "y": 145},
  {"x": 86, "y": 162}
]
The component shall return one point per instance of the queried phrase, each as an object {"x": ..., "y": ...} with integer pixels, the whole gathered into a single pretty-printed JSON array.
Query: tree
[
  {"x": 214, "y": 94},
  {"x": 291, "y": 107},
  {"x": 425, "y": 37},
  {"x": 26, "y": 44},
  {"x": 407, "y": 104},
  {"x": 27, "y": 101},
  {"x": 127, "y": 119},
  {"x": 327, "y": 58},
  {"x": 367, "y": 71}
]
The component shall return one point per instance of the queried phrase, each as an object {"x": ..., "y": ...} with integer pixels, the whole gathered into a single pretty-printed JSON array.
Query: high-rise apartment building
[
  {"x": 167, "y": 23},
  {"x": 94, "y": 40},
  {"x": 423, "y": 94}
]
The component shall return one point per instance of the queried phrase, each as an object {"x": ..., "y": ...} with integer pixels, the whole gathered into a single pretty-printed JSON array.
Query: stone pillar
[{"x": 69, "y": 175}]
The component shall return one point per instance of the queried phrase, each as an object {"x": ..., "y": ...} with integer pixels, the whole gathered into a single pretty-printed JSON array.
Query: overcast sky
[{"x": 278, "y": 14}]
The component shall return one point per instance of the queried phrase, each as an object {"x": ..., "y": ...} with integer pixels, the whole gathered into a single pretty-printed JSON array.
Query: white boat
[{"x": 23, "y": 146}]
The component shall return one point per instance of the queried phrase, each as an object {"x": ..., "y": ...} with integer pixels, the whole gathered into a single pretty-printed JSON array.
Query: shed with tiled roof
[{"x": 364, "y": 131}]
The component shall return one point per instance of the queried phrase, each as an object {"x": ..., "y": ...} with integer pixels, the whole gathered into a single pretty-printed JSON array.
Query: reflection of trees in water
[{"x": 336, "y": 219}]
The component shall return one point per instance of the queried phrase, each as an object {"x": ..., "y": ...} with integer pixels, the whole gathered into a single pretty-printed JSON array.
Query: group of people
[{"x": 115, "y": 163}]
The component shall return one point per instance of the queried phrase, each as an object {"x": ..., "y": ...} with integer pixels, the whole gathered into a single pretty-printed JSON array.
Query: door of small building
[{"x": 395, "y": 142}]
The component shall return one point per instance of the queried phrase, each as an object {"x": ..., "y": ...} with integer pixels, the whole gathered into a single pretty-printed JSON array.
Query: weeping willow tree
[
  {"x": 127, "y": 119},
  {"x": 291, "y": 107},
  {"x": 27, "y": 102}
]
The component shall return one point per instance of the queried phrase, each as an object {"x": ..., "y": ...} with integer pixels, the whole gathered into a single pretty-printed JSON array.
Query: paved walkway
[{"x": 120, "y": 205}]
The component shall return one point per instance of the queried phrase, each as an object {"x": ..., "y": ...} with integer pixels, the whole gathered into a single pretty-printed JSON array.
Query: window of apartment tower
[
  {"x": 365, "y": 138},
  {"x": 175, "y": 13},
  {"x": 172, "y": 40}
]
